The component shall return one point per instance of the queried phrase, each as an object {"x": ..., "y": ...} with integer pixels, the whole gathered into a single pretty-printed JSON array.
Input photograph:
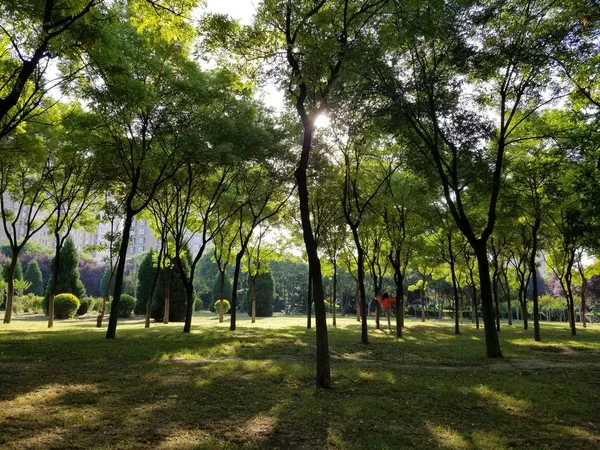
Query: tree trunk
[
  {"x": 100, "y": 317},
  {"x": 167, "y": 297},
  {"x": 455, "y": 293},
  {"x": 111, "y": 332},
  {"x": 492, "y": 343},
  {"x": 323, "y": 375},
  {"x": 309, "y": 302},
  {"x": 150, "y": 295},
  {"x": 399, "y": 305},
  {"x": 495, "y": 288},
  {"x": 357, "y": 301},
  {"x": 508, "y": 303},
  {"x": 11, "y": 286},
  {"x": 377, "y": 315},
  {"x": 222, "y": 294},
  {"x": 55, "y": 271},
  {"x": 422, "y": 304},
  {"x": 334, "y": 296},
  {"x": 236, "y": 276},
  {"x": 533, "y": 272},
  {"x": 253, "y": 299}
]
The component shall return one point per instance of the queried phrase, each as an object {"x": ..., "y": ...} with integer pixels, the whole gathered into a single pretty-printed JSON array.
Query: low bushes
[
  {"x": 29, "y": 303},
  {"x": 65, "y": 306}
]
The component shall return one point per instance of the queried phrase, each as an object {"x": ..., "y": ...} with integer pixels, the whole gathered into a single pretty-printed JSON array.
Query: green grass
[{"x": 254, "y": 388}]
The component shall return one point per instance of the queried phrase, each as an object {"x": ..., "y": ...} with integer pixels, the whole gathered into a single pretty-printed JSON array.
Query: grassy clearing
[{"x": 213, "y": 389}]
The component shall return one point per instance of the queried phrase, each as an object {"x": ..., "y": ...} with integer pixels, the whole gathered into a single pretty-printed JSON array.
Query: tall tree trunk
[
  {"x": 491, "y": 335},
  {"x": 11, "y": 287},
  {"x": 422, "y": 304},
  {"x": 534, "y": 281},
  {"x": 455, "y": 293},
  {"x": 399, "y": 305},
  {"x": 495, "y": 289},
  {"x": 222, "y": 294},
  {"x": 236, "y": 276},
  {"x": 253, "y": 299},
  {"x": 357, "y": 301},
  {"x": 508, "y": 303},
  {"x": 334, "y": 296},
  {"x": 309, "y": 302},
  {"x": 55, "y": 271},
  {"x": 100, "y": 317},
  {"x": 166, "y": 315},
  {"x": 111, "y": 332},
  {"x": 150, "y": 295}
]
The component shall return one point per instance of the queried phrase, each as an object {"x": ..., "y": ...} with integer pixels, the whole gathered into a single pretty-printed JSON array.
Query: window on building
[
  {"x": 141, "y": 240},
  {"x": 140, "y": 249}
]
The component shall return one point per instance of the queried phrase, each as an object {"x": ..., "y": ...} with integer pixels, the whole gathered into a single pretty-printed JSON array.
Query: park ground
[{"x": 69, "y": 388}]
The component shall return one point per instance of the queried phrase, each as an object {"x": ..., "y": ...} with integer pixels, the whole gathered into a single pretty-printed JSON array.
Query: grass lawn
[{"x": 70, "y": 388}]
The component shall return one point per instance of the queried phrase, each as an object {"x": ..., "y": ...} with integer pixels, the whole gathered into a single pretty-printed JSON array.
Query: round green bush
[
  {"x": 126, "y": 306},
  {"x": 84, "y": 305},
  {"x": 65, "y": 306},
  {"x": 226, "y": 306}
]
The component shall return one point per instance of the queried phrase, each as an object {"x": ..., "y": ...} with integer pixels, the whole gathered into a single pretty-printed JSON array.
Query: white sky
[{"x": 242, "y": 10}]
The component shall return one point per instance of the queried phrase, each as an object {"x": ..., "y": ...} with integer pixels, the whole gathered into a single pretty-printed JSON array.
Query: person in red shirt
[{"x": 387, "y": 304}]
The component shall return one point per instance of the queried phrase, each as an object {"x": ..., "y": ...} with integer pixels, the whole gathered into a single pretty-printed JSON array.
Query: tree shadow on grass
[{"x": 159, "y": 388}]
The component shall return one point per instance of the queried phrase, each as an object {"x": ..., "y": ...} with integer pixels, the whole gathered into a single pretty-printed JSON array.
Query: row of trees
[{"x": 462, "y": 140}]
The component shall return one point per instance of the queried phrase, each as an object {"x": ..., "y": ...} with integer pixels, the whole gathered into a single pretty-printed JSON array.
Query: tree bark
[
  {"x": 534, "y": 281},
  {"x": 11, "y": 287},
  {"x": 491, "y": 335},
  {"x": 236, "y": 276},
  {"x": 253, "y": 299},
  {"x": 334, "y": 296},
  {"x": 323, "y": 375},
  {"x": 309, "y": 302},
  {"x": 111, "y": 332},
  {"x": 167, "y": 296},
  {"x": 454, "y": 289}
]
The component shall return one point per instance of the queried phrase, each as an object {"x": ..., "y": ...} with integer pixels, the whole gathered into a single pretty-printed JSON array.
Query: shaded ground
[{"x": 213, "y": 389}]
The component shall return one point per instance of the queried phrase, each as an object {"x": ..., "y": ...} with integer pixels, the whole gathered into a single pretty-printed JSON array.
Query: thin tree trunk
[
  {"x": 309, "y": 302},
  {"x": 334, "y": 296},
  {"x": 151, "y": 294},
  {"x": 533, "y": 272},
  {"x": 253, "y": 312},
  {"x": 236, "y": 276},
  {"x": 111, "y": 332},
  {"x": 11, "y": 287},
  {"x": 222, "y": 294},
  {"x": 167, "y": 296},
  {"x": 422, "y": 304},
  {"x": 454, "y": 291},
  {"x": 55, "y": 271},
  {"x": 357, "y": 300}
]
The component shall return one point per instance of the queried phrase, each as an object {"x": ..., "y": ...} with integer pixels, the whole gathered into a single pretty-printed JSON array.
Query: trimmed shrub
[
  {"x": 65, "y": 306},
  {"x": 216, "y": 306},
  {"x": 84, "y": 305},
  {"x": 145, "y": 278},
  {"x": 33, "y": 274},
  {"x": 126, "y": 306}
]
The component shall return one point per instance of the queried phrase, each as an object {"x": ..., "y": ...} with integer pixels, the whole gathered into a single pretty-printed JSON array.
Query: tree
[
  {"x": 130, "y": 85},
  {"x": 72, "y": 189},
  {"x": 68, "y": 281},
  {"x": 427, "y": 51},
  {"x": 316, "y": 42},
  {"x": 261, "y": 200},
  {"x": 33, "y": 275},
  {"x": 265, "y": 294},
  {"x": 145, "y": 284},
  {"x": 24, "y": 207}
]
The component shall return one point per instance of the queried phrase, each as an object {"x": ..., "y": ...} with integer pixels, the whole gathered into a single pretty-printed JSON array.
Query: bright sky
[{"x": 242, "y": 10}]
